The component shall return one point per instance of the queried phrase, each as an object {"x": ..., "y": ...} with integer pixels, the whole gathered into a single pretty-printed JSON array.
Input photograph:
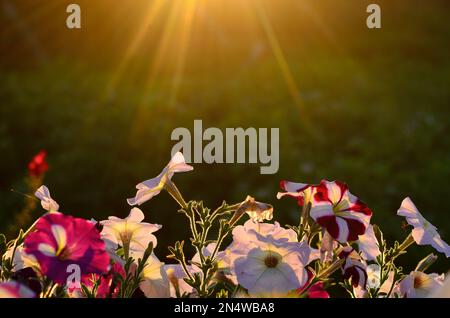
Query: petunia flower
[
  {"x": 21, "y": 259},
  {"x": 155, "y": 283},
  {"x": 424, "y": 233},
  {"x": 107, "y": 285},
  {"x": 148, "y": 189},
  {"x": 342, "y": 214},
  {"x": 248, "y": 232},
  {"x": 257, "y": 211},
  {"x": 61, "y": 240},
  {"x": 443, "y": 291},
  {"x": 317, "y": 291},
  {"x": 130, "y": 232},
  {"x": 38, "y": 165},
  {"x": 327, "y": 247},
  {"x": 176, "y": 275},
  {"x": 353, "y": 269},
  {"x": 420, "y": 285},
  {"x": 269, "y": 267},
  {"x": 14, "y": 289},
  {"x": 373, "y": 276},
  {"x": 43, "y": 194},
  {"x": 302, "y": 192},
  {"x": 368, "y": 245}
]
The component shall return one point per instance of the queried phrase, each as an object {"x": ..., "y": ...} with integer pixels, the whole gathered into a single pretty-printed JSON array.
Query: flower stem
[
  {"x": 175, "y": 193},
  {"x": 406, "y": 243}
]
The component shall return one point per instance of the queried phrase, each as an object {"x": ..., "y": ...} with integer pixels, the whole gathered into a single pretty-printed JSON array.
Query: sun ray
[
  {"x": 153, "y": 9},
  {"x": 283, "y": 64},
  {"x": 155, "y": 68},
  {"x": 186, "y": 29}
]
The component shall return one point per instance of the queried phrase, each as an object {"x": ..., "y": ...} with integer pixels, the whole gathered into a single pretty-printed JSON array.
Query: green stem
[{"x": 406, "y": 243}]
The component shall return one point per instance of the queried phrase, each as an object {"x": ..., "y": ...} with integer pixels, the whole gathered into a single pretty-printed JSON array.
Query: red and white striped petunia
[
  {"x": 341, "y": 213},
  {"x": 353, "y": 268}
]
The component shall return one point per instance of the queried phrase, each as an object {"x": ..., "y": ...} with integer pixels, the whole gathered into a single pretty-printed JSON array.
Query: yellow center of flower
[
  {"x": 125, "y": 237},
  {"x": 420, "y": 281},
  {"x": 63, "y": 254}
]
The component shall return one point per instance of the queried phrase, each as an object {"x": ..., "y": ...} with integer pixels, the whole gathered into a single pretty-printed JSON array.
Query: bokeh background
[{"x": 368, "y": 107}]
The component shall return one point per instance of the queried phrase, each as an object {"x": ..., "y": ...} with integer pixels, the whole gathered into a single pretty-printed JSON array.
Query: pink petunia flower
[
  {"x": 60, "y": 241},
  {"x": 424, "y": 233},
  {"x": 14, "y": 289},
  {"x": 342, "y": 214},
  {"x": 106, "y": 281},
  {"x": 317, "y": 291}
]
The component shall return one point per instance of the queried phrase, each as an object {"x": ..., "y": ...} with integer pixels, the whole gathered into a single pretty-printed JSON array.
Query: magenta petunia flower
[
  {"x": 342, "y": 214},
  {"x": 61, "y": 240},
  {"x": 107, "y": 286},
  {"x": 317, "y": 291}
]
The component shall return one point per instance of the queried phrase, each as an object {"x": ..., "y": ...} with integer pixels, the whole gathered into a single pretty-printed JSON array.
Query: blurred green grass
[{"x": 378, "y": 102}]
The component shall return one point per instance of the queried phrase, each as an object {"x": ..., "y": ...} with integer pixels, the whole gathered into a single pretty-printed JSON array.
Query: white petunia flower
[
  {"x": 257, "y": 211},
  {"x": 149, "y": 188},
  {"x": 269, "y": 267},
  {"x": 155, "y": 283},
  {"x": 420, "y": 285},
  {"x": 130, "y": 232},
  {"x": 373, "y": 276},
  {"x": 443, "y": 291},
  {"x": 43, "y": 194},
  {"x": 21, "y": 260},
  {"x": 424, "y": 233},
  {"x": 176, "y": 275},
  {"x": 249, "y": 231},
  {"x": 368, "y": 245}
]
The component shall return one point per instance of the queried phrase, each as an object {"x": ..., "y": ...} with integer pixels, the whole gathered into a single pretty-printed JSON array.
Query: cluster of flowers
[{"x": 334, "y": 245}]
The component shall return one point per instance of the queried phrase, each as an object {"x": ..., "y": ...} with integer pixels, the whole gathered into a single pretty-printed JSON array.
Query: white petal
[
  {"x": 47, "y": 249},
  {"x": 334, "y": 192},
  {"x": 60, "y": 236},
  {"x": 408, "y": 209},
  {"x": 368, "y": 245},
  {"x": 47, "y": 202},
  {"x": 320, "y": 209},
  {"x": 343, "y": 230},
  {"x": 136, "y": 215},
  {"x": 440, "y": 245}
]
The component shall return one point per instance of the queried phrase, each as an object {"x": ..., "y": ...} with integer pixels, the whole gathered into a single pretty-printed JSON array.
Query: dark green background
[{"x": 377, "y": 101}]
